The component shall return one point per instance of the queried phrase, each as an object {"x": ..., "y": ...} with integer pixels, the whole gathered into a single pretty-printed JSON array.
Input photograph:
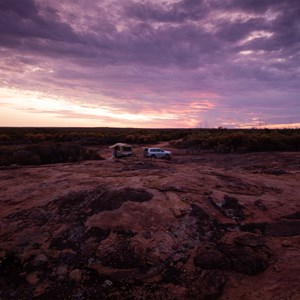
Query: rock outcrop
[{"x": 195, "y": 227}]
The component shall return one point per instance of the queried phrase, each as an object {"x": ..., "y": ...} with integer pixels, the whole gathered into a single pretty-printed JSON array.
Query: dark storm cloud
[
  {"x": 21, "y": 20},
  {"x": 185, "y": 45},
  {"x": 260, "y": 6},
  {"x": 235, "y": 31},
  {"x": 164, "y": 12},
  {"x": 153, "y": 51},
  {"x": 24, "y": 8},
  {"x": 285, "y": 26}
]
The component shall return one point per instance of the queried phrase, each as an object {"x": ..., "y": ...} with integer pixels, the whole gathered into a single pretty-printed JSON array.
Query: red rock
[{"x": 76, "y": 275}]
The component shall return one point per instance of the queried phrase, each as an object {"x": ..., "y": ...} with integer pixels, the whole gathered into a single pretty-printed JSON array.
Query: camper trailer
[{"x": 121, "y": 150}]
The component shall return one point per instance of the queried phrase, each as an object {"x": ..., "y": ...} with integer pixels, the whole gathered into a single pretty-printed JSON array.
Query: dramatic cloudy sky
[{"x": 149, "y": 63}]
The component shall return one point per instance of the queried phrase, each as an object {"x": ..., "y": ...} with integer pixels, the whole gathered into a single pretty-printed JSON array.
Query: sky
[{"x": 150, "y": 63}]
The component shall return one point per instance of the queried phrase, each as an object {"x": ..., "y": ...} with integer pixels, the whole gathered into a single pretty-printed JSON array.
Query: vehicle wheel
[
  {"x": 168, "y": 157},
  {"x": 153, "y": 156}
]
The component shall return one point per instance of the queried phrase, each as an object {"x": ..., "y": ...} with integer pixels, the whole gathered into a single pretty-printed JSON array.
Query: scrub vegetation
[
  {"x": 235, "y": 140},
  {"x": 34, "y": 146}
]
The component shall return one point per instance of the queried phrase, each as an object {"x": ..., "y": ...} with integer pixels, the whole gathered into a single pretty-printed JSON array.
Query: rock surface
[{"x": 206, "y": 226}]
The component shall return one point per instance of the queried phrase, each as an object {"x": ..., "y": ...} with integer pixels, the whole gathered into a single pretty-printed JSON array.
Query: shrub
[
  {"x": 243, "y": 140},
  {"x": 47, "y": 153},
  {"x": 23, "y": 157}
]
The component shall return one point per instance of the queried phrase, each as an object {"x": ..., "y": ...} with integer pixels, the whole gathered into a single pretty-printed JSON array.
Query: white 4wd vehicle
[{"x": 157, "y": 153}]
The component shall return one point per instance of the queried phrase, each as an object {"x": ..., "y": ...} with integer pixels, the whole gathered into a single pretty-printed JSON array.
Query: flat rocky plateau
[{"x": 200, "y": 226}]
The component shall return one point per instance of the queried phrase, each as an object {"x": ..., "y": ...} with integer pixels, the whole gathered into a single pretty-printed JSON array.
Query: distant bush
[
  {"x": 88, "y": 136},
  {"x": 226, "y": 141},
  {"x": 67, "y": 144},
  {"x": 5, "y": 156},
  {"x": 24, "y": 157},
  {"x": 48, "y": 153}
]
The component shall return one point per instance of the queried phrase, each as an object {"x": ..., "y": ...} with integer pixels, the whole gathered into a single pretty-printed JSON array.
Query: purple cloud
[{"x": 151, "y": 56}]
